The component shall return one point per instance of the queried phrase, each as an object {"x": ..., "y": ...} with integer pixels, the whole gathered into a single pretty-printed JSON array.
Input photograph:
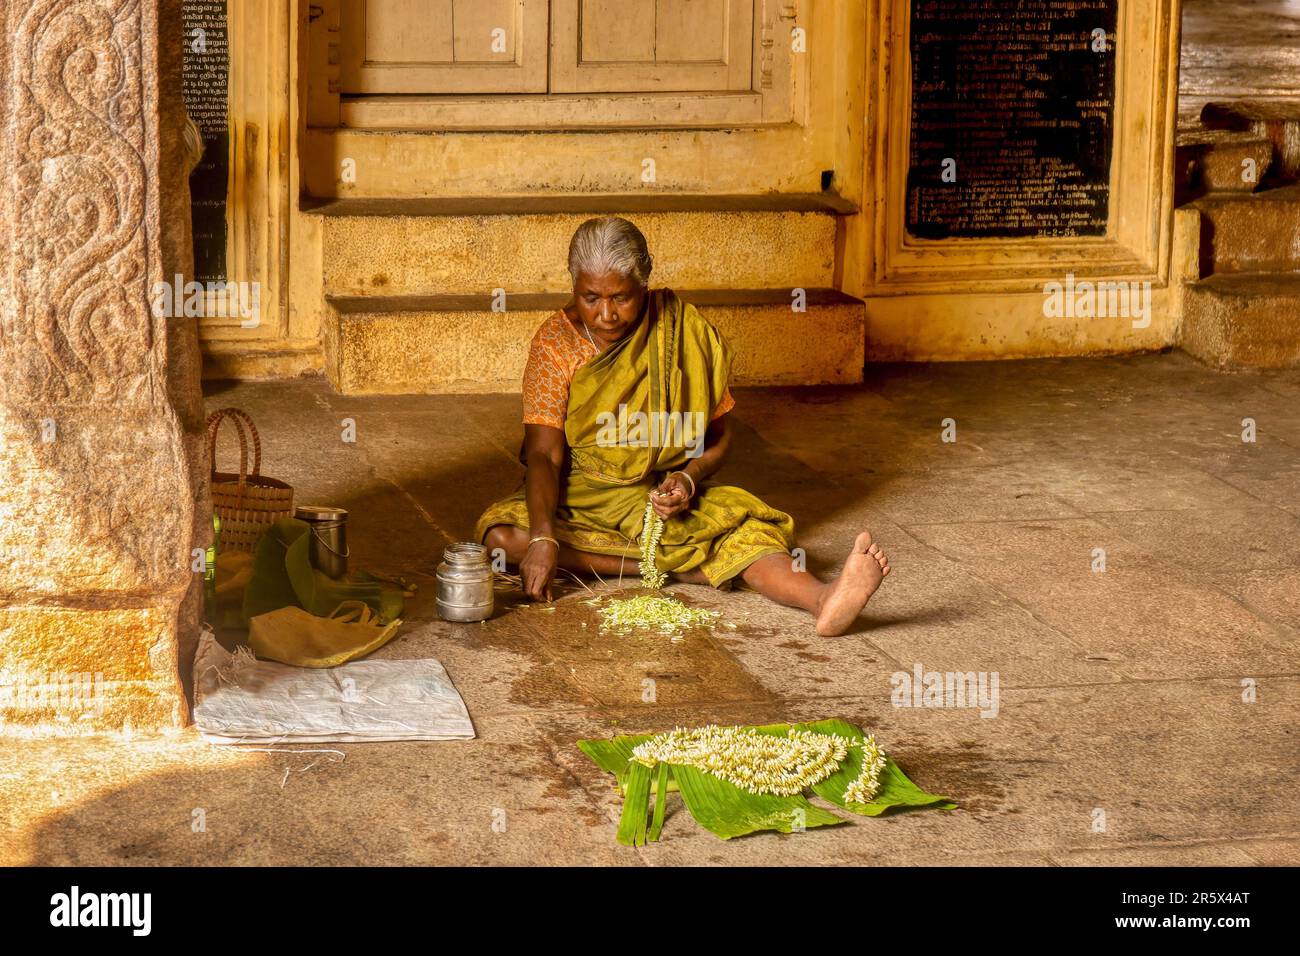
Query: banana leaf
[
  {"x": 720, "y": 807},
  {"x": 632, "y": 827},
  {"x": 896, "y": 790},
  {"x": 613, "y": 756},
  {"x": 728, "y": 811},
  {"x": 725, "y": 810},
  {"x": 661, "y": 803}
]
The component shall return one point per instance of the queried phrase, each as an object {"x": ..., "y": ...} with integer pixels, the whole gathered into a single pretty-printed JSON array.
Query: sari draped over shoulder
[{"x": 637, "y": 411}]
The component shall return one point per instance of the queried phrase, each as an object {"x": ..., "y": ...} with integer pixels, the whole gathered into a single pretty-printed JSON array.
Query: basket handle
[{"x": 239, "y": 418}]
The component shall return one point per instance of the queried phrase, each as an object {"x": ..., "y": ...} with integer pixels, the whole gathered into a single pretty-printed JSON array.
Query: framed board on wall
[
  {"x": 206, "y": 83},
  {"x": 1012, "y": 118}
]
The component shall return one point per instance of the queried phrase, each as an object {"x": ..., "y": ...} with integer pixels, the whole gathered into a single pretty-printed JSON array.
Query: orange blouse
[{"x": 557, "y": 352}]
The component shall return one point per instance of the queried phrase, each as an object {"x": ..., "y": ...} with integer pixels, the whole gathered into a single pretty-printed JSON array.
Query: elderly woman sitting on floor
[{"x": 625, "y": 396}]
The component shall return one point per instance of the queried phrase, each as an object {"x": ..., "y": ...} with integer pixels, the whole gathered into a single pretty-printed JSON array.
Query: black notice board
[
  {"x": 1019, "y": 94},
  {"x": 206, "y": 83}
]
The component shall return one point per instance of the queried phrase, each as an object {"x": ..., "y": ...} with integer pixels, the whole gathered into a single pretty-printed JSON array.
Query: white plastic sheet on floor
[{"x": 239, "y": 699}]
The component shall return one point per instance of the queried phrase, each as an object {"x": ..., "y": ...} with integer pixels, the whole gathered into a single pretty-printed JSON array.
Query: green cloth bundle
[
  {"x": 283, "y": 576},
  {"x": 728, "y": 810}
]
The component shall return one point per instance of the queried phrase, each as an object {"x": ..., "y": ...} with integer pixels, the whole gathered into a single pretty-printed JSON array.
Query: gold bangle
[
  {"x": 542, "y": 537},
  {"x": 688, "y": 478}
]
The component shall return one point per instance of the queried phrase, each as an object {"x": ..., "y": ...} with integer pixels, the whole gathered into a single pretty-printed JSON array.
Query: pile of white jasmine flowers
[
  {"x": 648, "y": 612},
  {"x": 764, "y": 763},
  {"x": 652, "y": 612}
]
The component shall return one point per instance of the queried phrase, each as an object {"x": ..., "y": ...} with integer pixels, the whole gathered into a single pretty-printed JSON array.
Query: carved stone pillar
[{"x": 102, "y": 484}]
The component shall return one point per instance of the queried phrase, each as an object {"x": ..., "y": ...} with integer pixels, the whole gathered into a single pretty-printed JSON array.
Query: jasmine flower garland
[
  {"x": 867, "y": 785},
  {"x": 652, "y": 527},
  {"x": 753, "y": 761}
]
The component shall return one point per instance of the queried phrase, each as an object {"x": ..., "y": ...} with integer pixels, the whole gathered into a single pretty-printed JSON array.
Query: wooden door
[
  {"x": 443, "y": 46},
  {"x": 636, "y": 46}
]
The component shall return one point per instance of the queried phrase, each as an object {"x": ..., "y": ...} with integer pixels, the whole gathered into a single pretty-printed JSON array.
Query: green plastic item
[{"x": 210, "y": 572}]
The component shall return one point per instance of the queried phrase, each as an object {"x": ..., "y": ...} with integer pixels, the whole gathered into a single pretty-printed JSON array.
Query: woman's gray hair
[{"x": 610, "y": 244}]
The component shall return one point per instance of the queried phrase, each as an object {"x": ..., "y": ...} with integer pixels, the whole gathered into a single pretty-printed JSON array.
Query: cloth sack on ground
[
  {"x": 239, "y": 699},
  {"x": 293, "y": 636}
]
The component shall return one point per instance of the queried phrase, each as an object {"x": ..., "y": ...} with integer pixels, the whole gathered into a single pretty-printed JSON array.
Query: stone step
[
  {"x": 456, "y": 343},
  {"x": 396, "y": 247},
  {"x": 595, "y": 204},
  {"x": 1243, "y": 321},
  {"x": 1278, "y": 120},
  {"x": 1217, "y": 160},
  {"x": 1259, "y": 232}
]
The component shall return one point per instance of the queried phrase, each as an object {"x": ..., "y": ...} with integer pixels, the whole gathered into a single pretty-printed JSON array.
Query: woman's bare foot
[{"x": 845, "y": 597}]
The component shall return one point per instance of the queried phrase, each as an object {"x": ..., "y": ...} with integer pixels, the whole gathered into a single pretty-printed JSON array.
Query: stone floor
[
  {"x": 1121, "y": 691},
  {"x": 1235, "y": 49}
]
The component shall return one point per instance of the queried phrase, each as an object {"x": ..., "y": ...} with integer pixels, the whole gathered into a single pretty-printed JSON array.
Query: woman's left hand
[{"x": 673, "y": 496}]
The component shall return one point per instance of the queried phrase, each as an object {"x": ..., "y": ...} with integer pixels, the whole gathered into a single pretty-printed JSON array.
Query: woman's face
[{"x": 609, "y": 304}]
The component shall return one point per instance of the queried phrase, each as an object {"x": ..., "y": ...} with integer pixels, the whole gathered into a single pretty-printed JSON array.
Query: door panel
[
  {"x": 616, "y": 31},
  {"x": 477, "y": 36},
  {"x": 634, "y": 46},
  {"x": 443, "y": 46},
  {"x": 408, "y": 31},
  {"x": 691, "y": 32}
]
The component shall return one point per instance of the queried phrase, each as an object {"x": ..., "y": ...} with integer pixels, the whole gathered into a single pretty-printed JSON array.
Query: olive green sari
[{"x": 636, "y": 411}]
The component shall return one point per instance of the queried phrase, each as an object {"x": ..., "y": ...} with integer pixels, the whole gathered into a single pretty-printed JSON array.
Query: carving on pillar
[
  {"x": 78, "y": 342},
  {"x": 102, "y": 496},
  {"x": 80, "y": 326}
]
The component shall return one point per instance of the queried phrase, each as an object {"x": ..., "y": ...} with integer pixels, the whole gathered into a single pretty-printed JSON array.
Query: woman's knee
[{"x": 507, "y": 538}]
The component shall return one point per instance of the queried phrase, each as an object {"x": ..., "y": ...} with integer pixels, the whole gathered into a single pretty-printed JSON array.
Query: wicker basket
[{"x": 247, "y": 502}]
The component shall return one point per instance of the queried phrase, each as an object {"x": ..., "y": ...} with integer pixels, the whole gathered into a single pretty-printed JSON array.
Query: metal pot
[
  {"x": 465, "y": 583},
  {"x": 328, "y": 548}
]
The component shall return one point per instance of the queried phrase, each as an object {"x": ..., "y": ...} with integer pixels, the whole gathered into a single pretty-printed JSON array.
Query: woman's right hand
[{"x": 538, "y": 569}]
